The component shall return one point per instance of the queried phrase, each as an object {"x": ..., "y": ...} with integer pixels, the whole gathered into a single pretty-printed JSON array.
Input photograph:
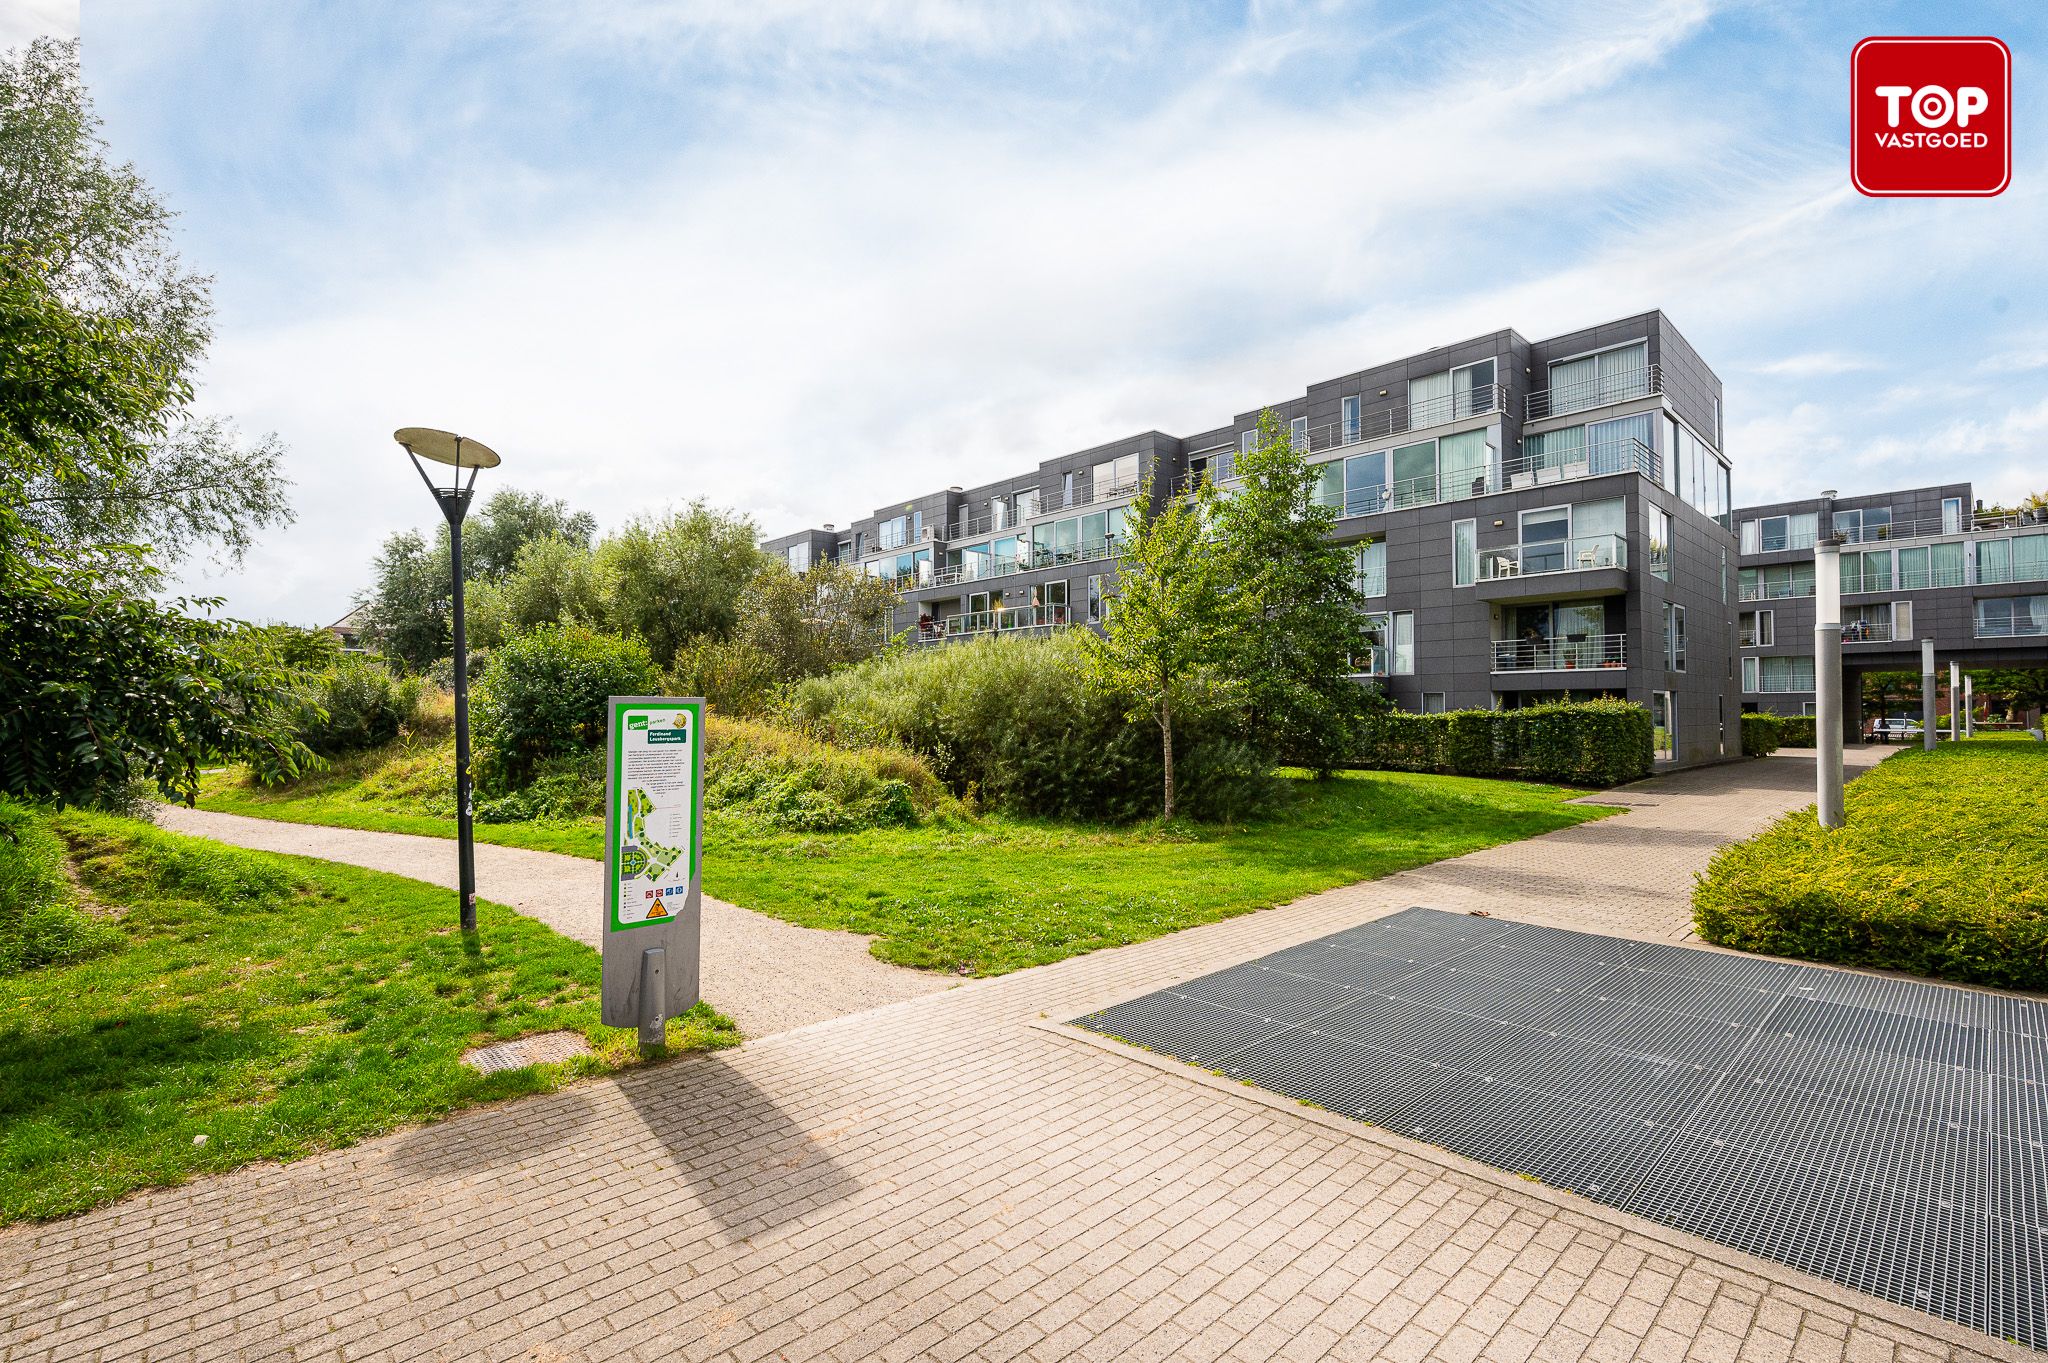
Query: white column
[
  {"x": 1827, "y": 680},
  {"x": 1969, "y": 708},
  {"x": 1955, "y": 700}
]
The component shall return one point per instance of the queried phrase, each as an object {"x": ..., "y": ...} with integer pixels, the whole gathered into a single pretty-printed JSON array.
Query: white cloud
[
  {"x": 1816, "y": 364},
  {"x": 22, "y": 20}
]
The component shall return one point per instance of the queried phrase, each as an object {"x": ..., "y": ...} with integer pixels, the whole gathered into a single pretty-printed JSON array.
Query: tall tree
[
  {"x": 806, "y": 624},
  {"x": 510, "y": 520},
  {"x": 408, "y": 607},
  {"x": 672, "y": 578},
  {"x": 1167, "y": 639},
  {"x": 1303, "y": 622},
  {"x": 174, "y": 479}
]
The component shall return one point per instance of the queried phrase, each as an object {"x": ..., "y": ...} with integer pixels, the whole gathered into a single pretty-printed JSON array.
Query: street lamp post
[{"x": 459, "y": 453}]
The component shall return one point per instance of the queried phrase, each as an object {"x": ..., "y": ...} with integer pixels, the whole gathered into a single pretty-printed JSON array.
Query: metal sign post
[{"x": 653, "y": 850}]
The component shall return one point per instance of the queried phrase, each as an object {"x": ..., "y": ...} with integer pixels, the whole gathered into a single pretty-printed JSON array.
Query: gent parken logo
[{"x": 1930, "y": 117}]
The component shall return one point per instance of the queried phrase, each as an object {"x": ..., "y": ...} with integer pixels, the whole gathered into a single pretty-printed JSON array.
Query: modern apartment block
[
  {"x": 1919, "y": 563},
  {"x": 1529, "y": 520}
]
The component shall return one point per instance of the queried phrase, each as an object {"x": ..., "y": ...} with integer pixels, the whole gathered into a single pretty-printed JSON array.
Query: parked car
[{"x": 1893, "y": 727}]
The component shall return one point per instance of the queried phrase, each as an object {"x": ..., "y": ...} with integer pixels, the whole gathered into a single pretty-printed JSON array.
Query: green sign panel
[{"x": 655, "y": 765}]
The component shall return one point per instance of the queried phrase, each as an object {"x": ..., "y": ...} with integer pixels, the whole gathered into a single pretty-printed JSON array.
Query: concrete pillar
[
  {"x": 1955, "y": 699},
  {"x": 1827, "y": 674},
  {"x": 1969, "y": 708}
]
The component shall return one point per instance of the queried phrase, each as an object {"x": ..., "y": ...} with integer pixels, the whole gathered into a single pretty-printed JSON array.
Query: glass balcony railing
[
  {"x": 1569, "y": 653},
  {"x": 1400, "y": 418},
  {"x": 1559, "y": 556},
  {"x": 1597, "y": 460},
  {"x": 982, "y": 568},
  {"x": 1012, "y": 620}
]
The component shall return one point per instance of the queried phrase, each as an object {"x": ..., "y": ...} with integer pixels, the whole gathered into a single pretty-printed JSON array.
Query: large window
[
  {"x": 1414, "y": 469},
  {"x": 898, "y": 531},
  {"x": 1660, "y": 542},
  {"x": 1674, "y": 637},
  {"x": 1072, "y": 538},
  {"x": 1931, "y": 565},
  {"x": 1757, "y": 629},
  {"x": 1780, "y": 532},
  {"x": 1402, "y": 664},
  {"x": 2023, "y": 558},
  {"x": 1867, "y": 571},
  {"x": 1436, "y": 398},
  {"x": 1370, "y": 568},
  {"x": 1773, "y": 675},
  {"x": 2011, "y": 617},
  {"x": 1777, "y": 581},
  {"x": 1464, "y": 553},
  {"x": 1353, "y": 421},
  {"x": 1614, "y": 375},
  {"x": 799, "y": 556},
  {"x": 1864, "y": 524},
  {"x": 1113, "y": 477},
  {"x": 1466, "y": 459}
]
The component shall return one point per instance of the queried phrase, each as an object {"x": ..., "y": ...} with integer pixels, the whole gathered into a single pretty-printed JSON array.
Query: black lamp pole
[{"x": 454, "y": 503}]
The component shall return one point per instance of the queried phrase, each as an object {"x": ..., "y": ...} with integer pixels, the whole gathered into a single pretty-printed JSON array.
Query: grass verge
[
  {"x": 274, "y": 1006},
  {"x": 993, "y": 894},
  {"x": 1941, "y": 870}
]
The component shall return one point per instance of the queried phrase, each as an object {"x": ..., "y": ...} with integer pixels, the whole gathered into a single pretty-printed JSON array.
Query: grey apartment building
[
  {"x": 1918, "y": 563},
  {"x": 1528, "y": 520}
]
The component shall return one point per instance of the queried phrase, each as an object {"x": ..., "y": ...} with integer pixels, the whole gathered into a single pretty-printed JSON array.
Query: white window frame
[
  {"x": 1470, "y": 573},
  {"x": 1352, "y": 419},
  {"x": 1397, "y": 665},
  {"x": 1752, "y": 675},
  {"x": 1297, "y": 432}
]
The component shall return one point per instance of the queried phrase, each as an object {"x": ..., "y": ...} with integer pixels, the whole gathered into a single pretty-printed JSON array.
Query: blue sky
[{"x": 803, "y": 257}]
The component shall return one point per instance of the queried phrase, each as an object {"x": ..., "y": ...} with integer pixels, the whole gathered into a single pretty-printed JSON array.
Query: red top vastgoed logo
[{"x": 1930, "y": 117}]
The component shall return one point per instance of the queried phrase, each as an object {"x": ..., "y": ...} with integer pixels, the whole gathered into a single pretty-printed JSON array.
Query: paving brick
[{"x": 942, "y": 1179}]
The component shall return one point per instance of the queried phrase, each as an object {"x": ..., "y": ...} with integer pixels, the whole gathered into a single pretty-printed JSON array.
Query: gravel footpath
[{"x": 767, "y": 975}]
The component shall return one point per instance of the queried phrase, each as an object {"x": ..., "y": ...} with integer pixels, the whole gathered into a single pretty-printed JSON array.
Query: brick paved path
[{"x": 955, "y": 1177}]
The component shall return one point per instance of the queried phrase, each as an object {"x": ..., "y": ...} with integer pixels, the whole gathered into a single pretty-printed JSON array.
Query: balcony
[
  {"x": 1781, "y": 685},
  {"x": 1867, "y": 632},
  {"x": 1401, "y": 418},
  {"x": 1626, "y": 386},
  {"x": 1569, "y": 654},
  {"x": 988, "y": 523},
  {"x": 1109, "y": 547},
  {"x": 1016, "y": 620},
  {"x": 1776, "y": 591},
  {"x": 2011, "y": 629},
  {"x": 1559, "y": 556},
  {"x": 1523, "y": 471},
  {"x": 1933, "y": 527}
]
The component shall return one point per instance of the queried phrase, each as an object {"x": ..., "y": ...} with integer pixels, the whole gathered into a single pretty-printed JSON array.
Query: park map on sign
[{"x": 653, "y": 858}]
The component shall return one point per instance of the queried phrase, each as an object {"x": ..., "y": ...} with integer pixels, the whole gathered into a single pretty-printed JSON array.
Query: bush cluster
[
  {"x": 1587, "y": 743},
  {"x": 1940, "y": 870},
  {"x": 791, "y": 781},
  {"x": 40, "y": 921},
  {"x": 1015, "y": 724},
  {"x": 1761, "y": 734},
  {"x": 543, "y": 694},
  {"x": 1796, "y": 731}
]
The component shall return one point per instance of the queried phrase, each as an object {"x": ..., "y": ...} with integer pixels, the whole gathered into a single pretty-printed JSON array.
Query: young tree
[
  {"x": 1301, "y": 607},
  {"x": 1171, "y": 620},
  {"x": 409, "y": 609},
  {"x": 2019, "y": 688},
  {"x": 100, "y": 239}
]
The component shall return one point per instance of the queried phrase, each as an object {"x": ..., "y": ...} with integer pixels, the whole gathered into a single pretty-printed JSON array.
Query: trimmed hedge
[
  {"x": 1796, "y": 731},
  {"x": 1761, "y": 734},
  {"x": 1582, "y": 743},
  {"x": 1940, "y": 870}
]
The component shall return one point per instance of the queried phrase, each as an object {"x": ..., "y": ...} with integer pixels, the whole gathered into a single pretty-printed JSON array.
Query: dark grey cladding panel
[{"x": 1914, "y": 503}]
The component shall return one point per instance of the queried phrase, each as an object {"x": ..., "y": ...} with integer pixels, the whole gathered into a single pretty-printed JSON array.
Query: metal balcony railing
[
  {"x": 1569, "y": 653},
  {"x": 1933, "y": 527},
  {"x": 1016, "y": 619},
  {"x": 1400, "y": 418},
  {"x": 1555, "y": 556},
  {"x": 1781, "y": 685},
  {"x": 1626, "y": 386},
  {"x": 1776, "y": 591},
  {"x": 1867, "y": 632},
  {"x": 2011, "y": 629}
]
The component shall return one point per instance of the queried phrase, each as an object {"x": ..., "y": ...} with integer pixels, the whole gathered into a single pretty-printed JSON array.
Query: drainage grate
[
  {"x": 538, "y": 1049},
  {"x": 1887, "y": 1134}
]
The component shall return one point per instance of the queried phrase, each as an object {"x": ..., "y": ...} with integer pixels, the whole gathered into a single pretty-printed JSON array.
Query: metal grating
[{"x": 1887, "y": 1134}]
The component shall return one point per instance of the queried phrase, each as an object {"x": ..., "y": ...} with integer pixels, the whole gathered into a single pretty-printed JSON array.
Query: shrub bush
[
  {"x": 1015, "y": 723},
  {"x": 40, "y": 922},
  {"x": 1940, "y": 870},
  {"x": 1796, "y": 731},
  {"x": 1761, "y": 734},
  {"x": 789, "y": 780},
  {"x": 734, "y": 677},
  {"x": 1589, "y": 743},
  {"x": 542, "y": 695}
]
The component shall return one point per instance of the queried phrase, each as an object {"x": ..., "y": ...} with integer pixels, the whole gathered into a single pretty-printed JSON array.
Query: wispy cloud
[
  {"x": 806, "y": 259},
  {"x": 23, "y": 20}
]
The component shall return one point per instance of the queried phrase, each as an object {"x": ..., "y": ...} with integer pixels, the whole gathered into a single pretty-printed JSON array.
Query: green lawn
[
  {"x": 993, "y": 894},
  {"x": 1941, "y": 869},
  {"x": 272, "y": 1005}
]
